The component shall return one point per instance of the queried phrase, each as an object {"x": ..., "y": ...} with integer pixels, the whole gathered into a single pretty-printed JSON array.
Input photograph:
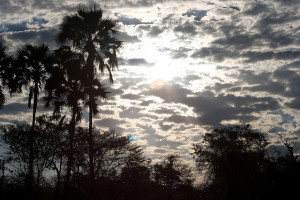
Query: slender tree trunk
[
  {"x": 91, "y": 74},
  {"x": 70, "y": 153},
  {"x": 90, "y": 65},
  {"x": 31, "y": 141},
  {"x": 91, "y": 142}
]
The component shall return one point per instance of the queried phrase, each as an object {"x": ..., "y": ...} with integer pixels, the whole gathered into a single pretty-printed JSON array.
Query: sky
[{"x": 186, "y": 67}]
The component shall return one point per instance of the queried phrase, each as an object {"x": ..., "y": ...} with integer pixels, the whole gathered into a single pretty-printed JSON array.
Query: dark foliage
[{"x": 237, "y": 166}]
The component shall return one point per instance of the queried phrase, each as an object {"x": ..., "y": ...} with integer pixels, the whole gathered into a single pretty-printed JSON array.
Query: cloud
[
  {"x": 16, "y": 39},
  {"x": 109, "y": 123},
  {"x": 14, "y": 109},
  {"x": 213, "y": 109},
  {"x": 182, "y": 52},
  {"x": 127, "y": 20},
  {"x": 131, "y": 96},
  {"x": 123, "y": 36},
  {"x": 186, "y": 28},
  {"x": 155, "y": 31}
]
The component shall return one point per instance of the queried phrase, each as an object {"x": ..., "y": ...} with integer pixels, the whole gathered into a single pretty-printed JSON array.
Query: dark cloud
[
  {"x": 165, "y": 111},
  {"x": 219, "y": 54},
  {"x": 134, "y": 113},
  {"x": 256, "y": 9},
  {"x": 181, "y": 119},
  {"x": 237, "y": 41},
  {"x": 165, "y": 127},
  {"x": 14, "y": 109},
  {"x": 255, "y": 56},
  {"x": 131, "y": 96},
  {"x": 186, "y": 28},
  {"x": 275, "y": 18},
  {"x": 138, "y": 62},
  {"x": 160, "y": 151},
  {"x": 182, "y": 52},
  {"x": 123, "y": 36},
  {"x": 34, "y": 37},
  {"x": 157, "y": 140},
  {"x": 146, "y": 103},
  {"x": 155, "y": 31},
  {"x": 151, "y": 30},
  {"x": 214, "y": 52},
  {"x": 109, "y": 122},
  {"x": 213, "y": 109}
]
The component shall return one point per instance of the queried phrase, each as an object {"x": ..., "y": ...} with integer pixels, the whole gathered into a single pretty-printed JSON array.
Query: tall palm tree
[
  {"x": 94, "y": 36},
  {"x": 65, "y": 90},
  {"x": 32, "y": 63}
]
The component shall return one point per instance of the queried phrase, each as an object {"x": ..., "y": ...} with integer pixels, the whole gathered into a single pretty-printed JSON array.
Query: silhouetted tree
[
  {"x": 48, "y": 147},
  {"x": 32, "y": 64},
  {"x": 234, "y": 159},
  {"x": 94, "y": 36},
  {"x": 172, "y": 173},
  {"x": 65, "y": 90}
]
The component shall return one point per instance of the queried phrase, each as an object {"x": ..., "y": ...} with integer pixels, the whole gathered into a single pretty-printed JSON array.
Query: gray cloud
[
  {"x": 135, "y": 62},
  {"x": 15, "y": 109},
  {"x": 123, "y": 36},
  {"x": 182, "y": 52},
  {"x": 213, "y": 109},
  {"x": 131, "y": 96},
  {"x": 33, "y": 36},
  {"x": 186, "y": 28},
  {"x": 109, "y": 123}
]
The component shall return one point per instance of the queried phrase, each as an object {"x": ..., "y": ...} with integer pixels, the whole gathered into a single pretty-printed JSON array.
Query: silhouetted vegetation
[
  {"x": 237, "y": 165},
  {"x": 56, "y": 158}
]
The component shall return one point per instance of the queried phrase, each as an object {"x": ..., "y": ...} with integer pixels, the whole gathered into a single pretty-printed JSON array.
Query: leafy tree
[
  {"x": 32, "y": 64},
  {"x": 94, "y": 36},
  {"x": 234, "y": 159},
  {"x": 172, "y": 173}
]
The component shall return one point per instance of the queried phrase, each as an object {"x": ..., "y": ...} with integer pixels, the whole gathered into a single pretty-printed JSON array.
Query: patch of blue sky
[
  {"x": 22, "y": 26},
  {"x": 133, "y": 137},
  {"x": 198, "y": 14},
  {"x": 285, "y": 118}
]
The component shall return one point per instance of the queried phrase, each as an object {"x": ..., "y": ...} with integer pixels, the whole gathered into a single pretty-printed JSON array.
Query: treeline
[
  {"x": 235, "y": 163},
  {"x": 121, "y": 170},
  {"x": 53, "y": 157}
]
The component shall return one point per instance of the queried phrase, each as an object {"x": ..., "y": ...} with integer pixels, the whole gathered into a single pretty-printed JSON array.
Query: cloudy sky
[{"x": 186, "y": 66}]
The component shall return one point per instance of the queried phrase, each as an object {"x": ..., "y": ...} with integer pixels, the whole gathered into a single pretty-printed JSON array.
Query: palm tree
[
  {"x": 65, "y": 90},
  {"x": 31, "y": 66},
  {"x": 94, "y": 36}
]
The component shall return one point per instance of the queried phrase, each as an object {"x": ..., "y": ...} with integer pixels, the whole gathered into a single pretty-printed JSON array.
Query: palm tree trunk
[
  {"x": 91, "y": 142},
  {"x": 31, "y": 141},
  {"x": 70, "y": 153},
  {"x": 90, "y": 65}
]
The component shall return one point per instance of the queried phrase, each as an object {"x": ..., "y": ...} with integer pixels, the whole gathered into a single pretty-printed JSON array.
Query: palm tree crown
[{"x": 93, "y": 35}]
